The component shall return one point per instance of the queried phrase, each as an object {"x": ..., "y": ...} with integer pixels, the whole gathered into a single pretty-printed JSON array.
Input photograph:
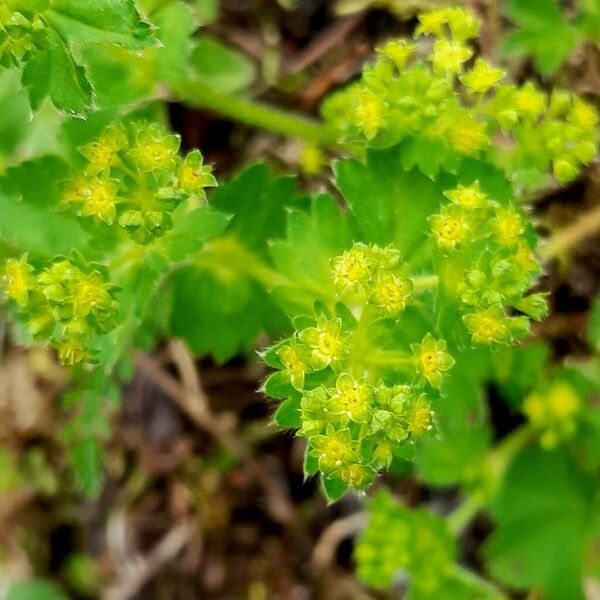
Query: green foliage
[
  {"x": 47, "y": 36},
  {"x": 543, "y": 511},
  {"x": 546, "y": 33}
]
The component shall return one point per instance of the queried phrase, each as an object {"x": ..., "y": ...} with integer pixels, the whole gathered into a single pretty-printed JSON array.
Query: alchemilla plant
[{"x": 391, "y": 302}]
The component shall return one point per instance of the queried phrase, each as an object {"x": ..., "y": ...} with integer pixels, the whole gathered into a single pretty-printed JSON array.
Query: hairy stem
[{"x": 256, "y": 114}]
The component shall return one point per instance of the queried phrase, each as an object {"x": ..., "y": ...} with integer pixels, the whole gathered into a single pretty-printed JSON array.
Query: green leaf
[
  {"x": 461, "y": 418},
  {"x": 221, "y": 303},
  {"x": 28, "y": 228},
  {"x": 278, "y": 385},
  {"x": 175, "y": 24},
  {"x": 288, "y": 414},
  {"x": 303, "y": 258},
  {"x": 390, "y": 204},
  {"x": 222, "y": 68},
  {"x": 97, "y": 21},
  {"x": 542, "y": 514},
  {"x": 191, "y": 230},
  {"x": 35, "y": 589},
  {"x": 333, "y": 489},
  {"x": 207, "y": 11},
  {"x": 86, "y": 458},
  {"x": 52, "y": 72},
  {"x": 542, "y": 32}
]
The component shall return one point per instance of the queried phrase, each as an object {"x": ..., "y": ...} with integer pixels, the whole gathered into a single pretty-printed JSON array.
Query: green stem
[
  {"x": 473, "y": 580},
  {"x": 256, "y": 114},
  {"x": 495, "y": 463},
  {"x": 425, "y": 282}
]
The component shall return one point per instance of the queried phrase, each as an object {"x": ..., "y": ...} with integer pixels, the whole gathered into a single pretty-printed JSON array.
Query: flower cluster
[
  {"x": 21, "y": 29},
  {"x": 133, "y": 176},
  {"x": 68, "y": 304},
  {"x": 399, "y": 539},
  {"x": 488, "y": 261},
  {"x": 355, "y": 398},
  {"x": 554, "y": 412},
  {"x": 446, "y": 106}
]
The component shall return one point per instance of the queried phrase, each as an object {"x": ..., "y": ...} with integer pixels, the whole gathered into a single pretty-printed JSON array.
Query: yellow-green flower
[
  {"x": 368, "y": 113},
  {"x": 529, "y": 101},
  {"x": 468, "y": 136},
  {"x": 467, "y": 197},
  {"x": 333, "y": 450},
  {"x": 72, "y": 352},
  {"x": 391, "y": 293},
  {"x": 352, "y": 398},
  {"x": 432, "y": 360},
  {"x": 293, "y": 357},
  {"x": 398, "y": 51},
  {"x": 449, "y": 57},
  {"x": 351, "y": 269},
  {"x": 101, "y": 200},
  {"x": 553, "y": 411},
  {"x": 488, "y": 326},
  {"x": 584, "y": 114},
  {"x": 432, "y": 23},
  {"x": 193, "y": 175},
  {"x": 155, "y": 151},
  {"x": 450, "y": 228},
  {"x": 326, "y": 342},
  {"x": 419, "y": 417},
  {"x": 91, "y": 294},
  {"x": 102, "y": 152},
  {"x": 19, "y": 280},
  {"x": 482, "y": 77},
  {"x": 312, "y": 159},
  {"x": 508, "y": 227},
  {"x": 356, "y": 475}
]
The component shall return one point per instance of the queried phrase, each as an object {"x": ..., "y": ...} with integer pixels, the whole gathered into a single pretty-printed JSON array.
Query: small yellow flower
[
  {"x": 356, "y": 475},
  {"x": 155, "y": 151},
  {"x": 449, "y": 57},
  {"x": 398, "y": 51},
  {"x": 584, "y": 114},
  {"x": 482, "y": 77},
  {"x": 391, "y": 293},
  {"x": 525, "y": 258},
  {"x": 529, "y": 101},
  {"x": 351, "y": 269},
  {"x": 449, "y": 228},
  {"x": 91, "y": 294},
  {"x": 294, "y": 363},
  {"x": 508, "y": 227},
  {"x": 419, "y": 417},
  {"x": 467, "y": 197},
  {"x": 432, "y": 23},
  {"x": 333, "y": 450},
  {"x": 102, "y": 153},
  {"x": 563, "y": 402},
  {"x": 488, "y": 327},
  {"x": 432, "y": 360},
  {"x": 369, "y": 113},
  {"x": 326, "y": 342},
  {"x": 193, "y": 175},
  {"x": 463, "y": 25},
  {"x": 72, "y": 352},
  {"x": 101, "y": 200},
  {"x": 468, "y": 136},
  {"x": 352, "y": 398},
  {"x": 19, "y": 280}
]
